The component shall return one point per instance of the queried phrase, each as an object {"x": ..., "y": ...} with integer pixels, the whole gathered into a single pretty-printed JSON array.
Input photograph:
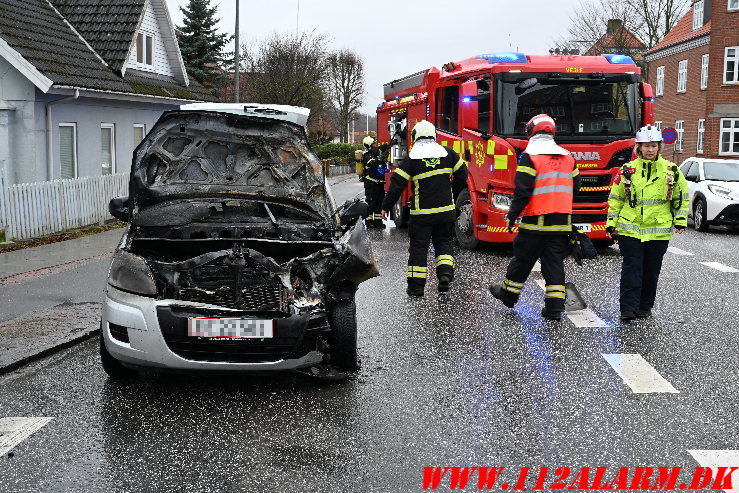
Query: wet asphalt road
[{"x": 465, "y": 382}]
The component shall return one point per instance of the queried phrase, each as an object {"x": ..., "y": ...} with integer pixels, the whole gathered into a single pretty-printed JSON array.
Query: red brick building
[{"x": 694, "y": 71}]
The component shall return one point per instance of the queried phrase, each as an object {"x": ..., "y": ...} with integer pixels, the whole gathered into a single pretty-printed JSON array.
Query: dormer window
[
  {"x": 697, "y": 15},
  {"x": 144, "y": 49}
]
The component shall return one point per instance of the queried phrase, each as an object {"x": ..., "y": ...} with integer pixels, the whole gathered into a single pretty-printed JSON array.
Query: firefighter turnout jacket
[
  {"x": 545, "y": 186},
  {"x": 374, "y": 165},
  {"x": 648, "y": 199},
  {"x": 433, "y": 194}
]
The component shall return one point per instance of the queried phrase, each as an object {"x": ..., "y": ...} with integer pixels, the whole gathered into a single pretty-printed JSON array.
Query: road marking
[
  {"x": 718, "y": 458},
  {"x": 537, "y": 267},
  {"x": 638, "y": 374},
  {"x": 581, "y": 318},
  {"x": 14, "y": 430},
  {"x": 678, "y": 251},
  {"x": 719, "y": 266}
]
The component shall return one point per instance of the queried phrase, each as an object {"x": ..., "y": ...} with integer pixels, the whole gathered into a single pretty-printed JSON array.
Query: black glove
[
  {"x": 613, "y": 232},
  {"x": 511, "y": 223},
  {"x": 680, "y": 229}
]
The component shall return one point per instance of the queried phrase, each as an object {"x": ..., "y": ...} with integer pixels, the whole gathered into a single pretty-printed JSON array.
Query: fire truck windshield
[{"x": 597, "y": 108}]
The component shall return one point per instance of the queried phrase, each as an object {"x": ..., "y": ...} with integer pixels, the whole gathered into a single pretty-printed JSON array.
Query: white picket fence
[{"x": 29, "y": 210}]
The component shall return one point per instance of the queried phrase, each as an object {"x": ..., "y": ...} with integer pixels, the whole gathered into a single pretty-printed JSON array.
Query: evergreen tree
[{"x": 201, "y": 45}]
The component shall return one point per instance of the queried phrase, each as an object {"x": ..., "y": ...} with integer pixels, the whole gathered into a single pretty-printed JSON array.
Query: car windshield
[
  {"x": 721, "y": 171},
  {"x": 603, "y": 108}
]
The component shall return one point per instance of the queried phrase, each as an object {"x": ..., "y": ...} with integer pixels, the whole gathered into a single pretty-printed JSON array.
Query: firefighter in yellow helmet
[
  {"x": 438, "y": 174},
  {"x": 375, "y": 165}
]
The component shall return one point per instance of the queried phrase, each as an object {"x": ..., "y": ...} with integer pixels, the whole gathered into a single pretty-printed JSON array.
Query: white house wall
[
  {"x": 149, "y": 25},
  {"x": 18, "y": 152}
]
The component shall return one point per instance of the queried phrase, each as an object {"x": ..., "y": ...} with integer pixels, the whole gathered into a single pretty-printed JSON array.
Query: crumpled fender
[{"x": 361, "y": 263}]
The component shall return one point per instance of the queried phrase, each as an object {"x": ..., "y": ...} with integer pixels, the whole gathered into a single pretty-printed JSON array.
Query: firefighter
[
  {"x": 437, "y": 174},
  {"x": 374, "y": 167},
  {"x": 546, "y": 181},
  {"x": 649, "y": 199}
]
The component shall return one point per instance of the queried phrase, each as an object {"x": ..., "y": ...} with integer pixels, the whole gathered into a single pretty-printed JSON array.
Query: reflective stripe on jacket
[
  {"x": 552, "y": 185},
  {"x": 646, "y": 212}
]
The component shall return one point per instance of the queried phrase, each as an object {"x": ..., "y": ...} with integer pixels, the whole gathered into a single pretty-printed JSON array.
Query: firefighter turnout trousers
[
  {"x": 374, "y": 193},
  {"x": 527, "y": 249},
  {"x": 441, "y": 235}
]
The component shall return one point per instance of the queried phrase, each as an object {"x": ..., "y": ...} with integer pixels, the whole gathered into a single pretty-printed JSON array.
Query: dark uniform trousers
[
  {"x": 527, "y": 249},
  {"x": 640, "y": 272},
  {"x": 441, "y": 235},
  {"x": 374, "y": 193}
]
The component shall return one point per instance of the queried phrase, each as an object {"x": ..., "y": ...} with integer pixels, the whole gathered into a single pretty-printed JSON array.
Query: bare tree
[
  {"x": 345, "y": 86},
  {"x": 287, "y": 69},
  {"x": 656, "y": 17}
]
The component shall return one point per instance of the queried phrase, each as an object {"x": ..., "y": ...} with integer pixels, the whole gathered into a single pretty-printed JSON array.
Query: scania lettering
[{"x": 480, "y": 106}]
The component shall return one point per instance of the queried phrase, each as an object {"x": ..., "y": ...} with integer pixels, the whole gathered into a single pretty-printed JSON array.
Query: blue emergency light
[
  {"x": 466, "y": 99},
  {"x": 619, "y": 59},
  {"x": 504, "y": 58}
]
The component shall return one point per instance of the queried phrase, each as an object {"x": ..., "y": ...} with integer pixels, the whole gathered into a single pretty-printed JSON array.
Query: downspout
[{"x": 49, "y": 132}]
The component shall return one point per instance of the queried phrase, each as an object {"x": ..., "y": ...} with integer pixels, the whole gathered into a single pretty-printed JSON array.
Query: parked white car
[{"x": 714, "y": 191}]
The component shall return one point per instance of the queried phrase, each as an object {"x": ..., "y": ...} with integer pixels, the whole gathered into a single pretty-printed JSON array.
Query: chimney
[{"x": 613, "y": 25}]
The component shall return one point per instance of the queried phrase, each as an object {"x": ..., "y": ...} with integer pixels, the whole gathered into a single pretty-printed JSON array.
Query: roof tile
[{"x": 682, "y": 31}]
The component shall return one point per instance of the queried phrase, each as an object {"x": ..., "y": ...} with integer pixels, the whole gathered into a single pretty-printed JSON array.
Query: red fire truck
[{"x": 480, "y": 106}]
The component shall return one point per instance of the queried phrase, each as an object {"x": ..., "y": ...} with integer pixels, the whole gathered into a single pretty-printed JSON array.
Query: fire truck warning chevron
[{"x": 480, "y": 105}]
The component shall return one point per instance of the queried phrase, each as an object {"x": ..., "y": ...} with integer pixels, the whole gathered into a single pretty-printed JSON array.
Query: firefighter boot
[
  {"x": 551, "y": 314},
  {"x": 507, "y": 299},
  {"x": 445, "y": 281},
  {"x": 414, "y": 290}
]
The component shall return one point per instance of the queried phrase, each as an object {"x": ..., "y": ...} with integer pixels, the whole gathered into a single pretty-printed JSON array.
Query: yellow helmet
[{"x": 368, "y": 141}]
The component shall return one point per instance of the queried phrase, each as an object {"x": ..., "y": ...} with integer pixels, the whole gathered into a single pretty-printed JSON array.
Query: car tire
[
  {"x": 464, "y": 226},
  {"x": 343, "y": 337},
  {"x": 401, "y": 214},
  {"x": 113, "y": 367},
  {"x": 699, "y": 215}
]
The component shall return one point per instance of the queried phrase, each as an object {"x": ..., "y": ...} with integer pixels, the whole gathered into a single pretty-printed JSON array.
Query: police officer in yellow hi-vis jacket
[
  {"x": 649, "y": 198},
  {"x": 437, "y": 174}
]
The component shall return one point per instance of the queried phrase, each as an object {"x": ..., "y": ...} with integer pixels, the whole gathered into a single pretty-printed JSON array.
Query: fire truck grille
[
  {"x": 269, "y": 297},
  {"x": 588, "y": 218},
  {"x": 593, "y": 189}
]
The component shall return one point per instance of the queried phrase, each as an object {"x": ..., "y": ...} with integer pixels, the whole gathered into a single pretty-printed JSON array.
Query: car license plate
[
  {"x": 231, "y": 328},
  {"x": 585, "y": 228}
]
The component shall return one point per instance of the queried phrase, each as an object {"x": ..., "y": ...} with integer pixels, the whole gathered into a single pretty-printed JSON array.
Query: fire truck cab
[{"x": 480, "y": 106}]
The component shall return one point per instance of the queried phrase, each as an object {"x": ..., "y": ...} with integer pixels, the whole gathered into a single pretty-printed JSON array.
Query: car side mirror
[
  {"x": 691, "y": 178},
  {"x": 118, "y": 208},
  {"x": 352, "y": 210}
]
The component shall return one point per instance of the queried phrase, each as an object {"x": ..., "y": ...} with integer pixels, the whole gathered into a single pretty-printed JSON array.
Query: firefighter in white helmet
[
  {"x": 438, "y": 175},
  {"x": 375, "y": 166},
  {"x": 649, "y": 198},
  {"x": 546, "y": 181}
]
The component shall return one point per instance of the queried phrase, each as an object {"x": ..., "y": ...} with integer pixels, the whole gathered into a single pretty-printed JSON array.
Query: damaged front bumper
[{"x": 143, "y": 333}]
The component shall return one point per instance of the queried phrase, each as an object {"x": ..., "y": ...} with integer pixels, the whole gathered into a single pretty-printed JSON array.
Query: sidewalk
[{"x": 37, "y": 335}]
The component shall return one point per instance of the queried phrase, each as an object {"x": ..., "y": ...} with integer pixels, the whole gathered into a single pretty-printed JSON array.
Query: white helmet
[
  {"x": 648, "y": 134},
  {"x": 368, "y": 141},
  {"x": 423, "y": 129}
]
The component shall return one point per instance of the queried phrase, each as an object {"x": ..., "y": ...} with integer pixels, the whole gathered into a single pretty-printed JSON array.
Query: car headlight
[
  {"x": 502, "y": 201},
  {"x": 722, "y": 192},
  {"x": 130, "y": 273}
]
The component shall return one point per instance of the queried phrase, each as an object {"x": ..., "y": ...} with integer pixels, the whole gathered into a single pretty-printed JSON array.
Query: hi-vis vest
[{"x": 552, "y": 186}]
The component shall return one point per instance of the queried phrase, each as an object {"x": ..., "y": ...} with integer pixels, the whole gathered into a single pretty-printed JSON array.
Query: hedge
[{"x": 338, "y": 152}]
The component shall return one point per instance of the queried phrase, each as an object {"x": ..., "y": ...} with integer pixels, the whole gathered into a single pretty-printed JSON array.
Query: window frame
[
  {"x": 705, "y": 60},
  {"x": 735, "y": 59},
  {"x": 682, "y": 76},
  {"x": 439, "y": 103},
  {"x": 75, "y": 158},
  {"x": 734, "y": 137},
  {"x": 142, "y": 126},
  {"x": 680, "y": 130},
  {"x": 110, "y": 126},
  {"x": 700, "y": 143},
  {"x": 698, "y": 15},
  {"x": 729, "y": 8},
  {"x": 659, "y": 83},
  {"x": 145, "y": 48}
]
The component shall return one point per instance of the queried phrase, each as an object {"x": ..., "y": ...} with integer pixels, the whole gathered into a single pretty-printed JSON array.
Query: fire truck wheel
[
  {"x": 465, "y": 227},
  {"x": 343, "y": 337},
  {"x": 401, "y": 214}
]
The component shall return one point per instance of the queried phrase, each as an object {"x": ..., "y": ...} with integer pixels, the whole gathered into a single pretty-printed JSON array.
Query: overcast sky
[{"x": 400, "y": 37}]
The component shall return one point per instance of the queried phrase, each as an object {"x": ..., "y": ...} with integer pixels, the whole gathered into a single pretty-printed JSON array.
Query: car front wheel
[
  {"x": 343, "y": 338},
  {"x": 112, "y": 366},
  {"x": 699, "y": 215}
]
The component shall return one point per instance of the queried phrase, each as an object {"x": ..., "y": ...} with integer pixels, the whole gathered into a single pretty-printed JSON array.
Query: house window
[
  {"x": 658, "y": 125},
  {"x": 139, "y": 130},
  {"x": 733, "y": 4},
  {"x": 67, "y": 150},
  {"x": 701, "y": 134},
  {"x": 697, "y": 15},
  {"x": 682, "y": 76},
  {"x": 107, "y": 148},
  {"x": 731, "y": 61},
  {"x": 144, "y": 48},
  {"x": 729, "y": 143},
  {"x": 679, "y": 128},
  {"x": 660, "y": 89},
  {"x": 704, "y": 71}
]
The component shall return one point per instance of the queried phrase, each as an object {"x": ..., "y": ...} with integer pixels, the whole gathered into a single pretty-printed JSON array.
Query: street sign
[{"x": 669, "y": 135}]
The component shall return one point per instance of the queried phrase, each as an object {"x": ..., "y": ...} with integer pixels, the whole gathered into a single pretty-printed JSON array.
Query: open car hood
[{"x": 207, "y": 154}]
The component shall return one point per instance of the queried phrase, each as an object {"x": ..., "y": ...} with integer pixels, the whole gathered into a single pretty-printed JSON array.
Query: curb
[{"x": 48, "y": 351}]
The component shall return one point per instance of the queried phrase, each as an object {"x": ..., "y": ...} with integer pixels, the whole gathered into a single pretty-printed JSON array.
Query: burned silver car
[{"x": 236, "y": 257}]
